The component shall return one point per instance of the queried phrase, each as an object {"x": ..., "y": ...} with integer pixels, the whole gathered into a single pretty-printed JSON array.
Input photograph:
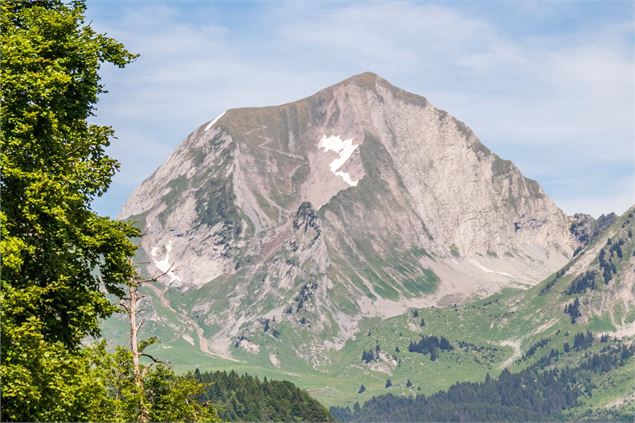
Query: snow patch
[
  {"x": 209, "y": 125},
  {"x": 345, "y": 149},
  {"x": 164, "y": 264}
]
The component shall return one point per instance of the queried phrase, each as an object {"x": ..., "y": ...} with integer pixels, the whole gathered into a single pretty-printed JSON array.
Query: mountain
[
  {"x": 601, "y": 278},
  {"x": 566, "y": 365},
  {"x": 361, "y": 242},
  {"x": 360, "y": 201}
]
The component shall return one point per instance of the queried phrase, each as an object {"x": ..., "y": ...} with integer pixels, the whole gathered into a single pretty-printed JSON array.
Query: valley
[
  {"x": 337, "y": 263},
  {"x": 511, "y": 329}
]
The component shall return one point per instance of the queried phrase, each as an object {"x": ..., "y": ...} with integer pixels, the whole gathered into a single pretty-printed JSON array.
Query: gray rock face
[
  {"x": 584, "y": 227},
  {"x": 361, "y": 200}
]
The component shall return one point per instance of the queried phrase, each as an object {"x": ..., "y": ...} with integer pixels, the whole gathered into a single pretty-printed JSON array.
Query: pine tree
[{"x": 434, "y": 354}]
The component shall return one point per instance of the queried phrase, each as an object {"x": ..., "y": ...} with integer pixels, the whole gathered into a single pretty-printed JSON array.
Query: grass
[
  {"x": 481, "y": 332},
  {"x": 334, "y": 377}
]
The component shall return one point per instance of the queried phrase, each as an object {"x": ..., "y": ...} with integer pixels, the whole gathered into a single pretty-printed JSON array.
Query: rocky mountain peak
[{"x": 364, "y": 193}]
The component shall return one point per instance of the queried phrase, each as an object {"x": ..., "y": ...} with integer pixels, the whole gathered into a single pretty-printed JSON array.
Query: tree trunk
[{"x": 144, "y": 415}]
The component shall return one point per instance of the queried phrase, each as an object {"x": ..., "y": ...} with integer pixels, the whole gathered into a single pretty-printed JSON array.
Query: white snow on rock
[
  {"x": 209, "y": 125},
  {"x": 345, "y": 149},
  {"x": 164, "y": 264}
]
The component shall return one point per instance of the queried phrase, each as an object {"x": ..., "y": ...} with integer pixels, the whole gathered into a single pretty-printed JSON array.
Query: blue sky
[{"x": 548, "y": 85}]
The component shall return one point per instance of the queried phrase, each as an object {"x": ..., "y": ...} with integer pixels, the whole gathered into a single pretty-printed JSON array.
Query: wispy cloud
[{"x": 555, "y": 95}]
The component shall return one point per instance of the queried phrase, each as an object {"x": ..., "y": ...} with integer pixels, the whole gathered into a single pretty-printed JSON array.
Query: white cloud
[{"x": 560, "y": 104}]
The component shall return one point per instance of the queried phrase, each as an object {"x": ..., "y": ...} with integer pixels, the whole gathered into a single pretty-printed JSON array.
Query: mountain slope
[
  {"x": 513, "y": 329},
  {"x": 359, "y": 201},
  {"x": 541, "y": 336}
]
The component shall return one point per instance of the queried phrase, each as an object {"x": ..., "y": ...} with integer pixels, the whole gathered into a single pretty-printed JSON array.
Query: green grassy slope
[{"x": 488, "y": 335}]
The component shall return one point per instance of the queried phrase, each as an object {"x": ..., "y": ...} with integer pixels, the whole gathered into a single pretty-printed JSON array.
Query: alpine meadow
[{"x": 352, "y": 253}]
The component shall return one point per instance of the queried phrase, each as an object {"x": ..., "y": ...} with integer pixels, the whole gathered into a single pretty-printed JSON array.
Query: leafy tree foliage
[
  {"x": 246, "y": 398},
  {"x": 169, "y": 397},
  {"x": 53, "y": 165},
  {"x": 43, "y": 381},
  {"x": 60, "y": 259},
  {"x": 58, "y": 255}
]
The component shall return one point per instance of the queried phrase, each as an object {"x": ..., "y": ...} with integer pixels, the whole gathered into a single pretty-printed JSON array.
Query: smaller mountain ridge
[{"x": 599, "y": 283}]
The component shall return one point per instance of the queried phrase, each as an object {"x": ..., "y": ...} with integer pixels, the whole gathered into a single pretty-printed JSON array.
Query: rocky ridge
[{"x": 360, "y": 200}]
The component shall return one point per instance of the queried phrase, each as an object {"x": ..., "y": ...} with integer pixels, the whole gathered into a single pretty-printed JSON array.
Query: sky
[{"x": 546, "y": 84}]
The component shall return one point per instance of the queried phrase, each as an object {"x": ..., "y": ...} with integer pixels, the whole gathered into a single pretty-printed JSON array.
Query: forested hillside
[
  {"x": 247, "y": 399},
  {"x": 540, "y": 392}
]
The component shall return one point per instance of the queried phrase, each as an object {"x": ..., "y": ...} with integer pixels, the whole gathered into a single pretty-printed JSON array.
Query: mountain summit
[{"x": 361, "y": 200}]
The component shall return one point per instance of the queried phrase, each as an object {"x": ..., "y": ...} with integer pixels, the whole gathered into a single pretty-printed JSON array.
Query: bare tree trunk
[
  {"x": 131, "y": 305},
  {"x": 133, "y": 296}
]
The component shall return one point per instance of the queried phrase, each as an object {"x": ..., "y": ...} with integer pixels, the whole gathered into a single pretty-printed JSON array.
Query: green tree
[
  {"x": 59, "y": 257},
  {"x": 153, "y": 392},
  {"x": 167, "y": 396}
]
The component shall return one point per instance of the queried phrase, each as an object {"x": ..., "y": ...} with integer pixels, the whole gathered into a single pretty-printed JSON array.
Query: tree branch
[
  {"x": 124, "y": 306},
  {"x": 156, "y": 360}
]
